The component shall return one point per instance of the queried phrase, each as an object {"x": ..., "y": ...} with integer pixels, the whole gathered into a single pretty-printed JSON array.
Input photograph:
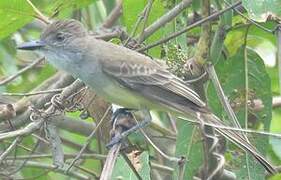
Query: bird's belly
[
  {"x": 113, "y": 92},
  {"x": 124, "y": 97}
]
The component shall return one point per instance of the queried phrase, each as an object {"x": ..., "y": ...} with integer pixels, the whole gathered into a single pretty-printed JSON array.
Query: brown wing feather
[{"x": 150, "y": 78}]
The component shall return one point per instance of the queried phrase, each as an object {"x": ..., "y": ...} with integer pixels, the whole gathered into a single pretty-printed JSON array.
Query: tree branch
[{"x": 166, "y": 39}]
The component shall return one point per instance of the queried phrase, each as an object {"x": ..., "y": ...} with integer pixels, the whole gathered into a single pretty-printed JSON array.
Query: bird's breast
[{"x": 106, "y": 87}]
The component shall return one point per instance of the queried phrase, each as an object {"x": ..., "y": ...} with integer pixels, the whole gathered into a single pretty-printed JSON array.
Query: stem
[{"x": 161, "y": 41}]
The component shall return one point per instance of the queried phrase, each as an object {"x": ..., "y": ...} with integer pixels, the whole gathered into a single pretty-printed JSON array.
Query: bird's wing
[{"x": 150, "y": 78}]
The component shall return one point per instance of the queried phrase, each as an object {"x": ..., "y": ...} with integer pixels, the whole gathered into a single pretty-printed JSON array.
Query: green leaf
[
  {"x": 263, "y": 45},
  {"x": 264, "y": 48},
  {"x": 64, "y": 7},
  {"x": 7, "y": 62},
  {"x": 31, "y": 79},
  {"x": 189, "y": 145},
  {"x": 275, "y": 142},
  {"x": 233, "y": 78},
  {"x": 131, "y": 12},
  {"x": 275, "y": 177},
  {"x": 260, "y": 10},
  {"x": 14, "y": 15},
  {"x": 156, "y": 12},
  {"x": 123, "y": 171}
]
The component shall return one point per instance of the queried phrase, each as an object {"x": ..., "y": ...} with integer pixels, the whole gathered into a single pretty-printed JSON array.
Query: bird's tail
[{"x": 238, "y": 139}]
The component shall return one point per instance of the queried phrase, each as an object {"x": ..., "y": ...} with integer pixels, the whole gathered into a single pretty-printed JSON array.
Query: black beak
[{"x": 32, "y": 45}]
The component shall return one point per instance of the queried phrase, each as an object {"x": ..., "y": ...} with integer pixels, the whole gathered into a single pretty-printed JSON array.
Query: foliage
[{"x": 244, "y": 58}]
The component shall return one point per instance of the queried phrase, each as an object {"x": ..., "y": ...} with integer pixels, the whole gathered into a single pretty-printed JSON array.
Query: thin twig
[
  {"x": 14, "y": 171},
  {"x": 278, "y": 29},
  {"x": 167, "y": 17},
  {"x": 110, "y": 162},
  {"x": 33, "y": 93},
  {"x": 67, "y": 156},
  {"x": 40, "y": 15},
  {"x": 114, "y": 15},
  {"x": 10, "y": 148},
  {"x": 41, "y": 165},
  {"x": 161, "y": 167},
  {"x": 222, "y": 97},
  {"x": 174, "y": 159},
  {"x": 35, "y": 125},
  {"x": 246, "y": 74},
  {"x": 56, "y": 144},
  {"x": 88, "y": 141},
  {"x": 20, "y": 146},
  {"x": 91, "y": 172},
  {"x": 145, "y": 19},
  {"x": 250, "y": 20},
  {"x": 136, "y": 25},
  {"x": 30, "y": 128},
  {"x": 166, "y": 39},
  {"x": 9, "y": 79},
  {"x": 40, "y": 138},
  {"x": 236, "y": 129},
  {"x": 128, "y": 161}
]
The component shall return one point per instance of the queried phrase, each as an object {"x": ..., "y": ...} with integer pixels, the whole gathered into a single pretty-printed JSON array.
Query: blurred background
[{"x": 242, "y": 44}]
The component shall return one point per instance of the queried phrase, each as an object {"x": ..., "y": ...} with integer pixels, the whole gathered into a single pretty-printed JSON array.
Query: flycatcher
[{"x": 127, "y": 78}]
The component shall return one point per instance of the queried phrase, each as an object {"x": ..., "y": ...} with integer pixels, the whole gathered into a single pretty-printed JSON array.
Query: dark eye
[{"x": 59, "y": 37}]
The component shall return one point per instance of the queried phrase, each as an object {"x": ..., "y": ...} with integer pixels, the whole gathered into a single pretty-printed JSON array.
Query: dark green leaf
[
  {"x": 123, "y": 171},
  {"x": 260, "y": 10},
  {"x": 189, "y": 146},
  {"x": 234, "y": 74}
]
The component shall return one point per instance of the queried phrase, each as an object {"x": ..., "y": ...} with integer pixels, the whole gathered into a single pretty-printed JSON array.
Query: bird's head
[{"x": 62, "y": 39}]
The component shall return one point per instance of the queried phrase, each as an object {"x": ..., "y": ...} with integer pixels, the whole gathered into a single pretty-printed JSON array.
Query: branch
[
  {"x": 278, "y": 29},
  {"x": 59, "y": 80},
  {"x": 10, "y": 148},
  {"x": 41, "y": 165},
  {"x": 250, "y": 20},
  {"x": 67, "y": 156},
  {"x": 39, "y": 15},
  {"x": 145, "y": 19},
  {"x": 9, "y": 79},
  {"x": 35, "y": 125},
  {"x": 33, "y": 93},
  {"x": 114, "y": 15},
  {"x": 88, "y": 141},
  {"x": 110, "y": 162},
  {"x": 166, "y": 39},
  {"x": 165, "y": 19},
  {"x": 236, "y": 129}
]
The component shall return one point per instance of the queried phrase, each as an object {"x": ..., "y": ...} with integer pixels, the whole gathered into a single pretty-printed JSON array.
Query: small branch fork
[
  {"x": 39, "y": 15},
  {"x": 39, "y": 118}
]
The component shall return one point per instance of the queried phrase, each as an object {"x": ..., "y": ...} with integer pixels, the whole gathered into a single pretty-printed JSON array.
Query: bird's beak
[{"x": 32, "y": 45}]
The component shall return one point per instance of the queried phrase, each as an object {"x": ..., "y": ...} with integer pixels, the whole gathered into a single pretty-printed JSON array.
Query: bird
[{"x": 127, "y": 78}]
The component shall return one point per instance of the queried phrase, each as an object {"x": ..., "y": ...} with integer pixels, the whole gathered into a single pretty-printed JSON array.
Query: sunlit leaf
[{"x": 14, "y": 15}]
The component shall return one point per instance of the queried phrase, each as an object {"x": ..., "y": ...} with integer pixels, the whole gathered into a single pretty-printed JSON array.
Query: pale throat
[{"x": 63, "y": 59}]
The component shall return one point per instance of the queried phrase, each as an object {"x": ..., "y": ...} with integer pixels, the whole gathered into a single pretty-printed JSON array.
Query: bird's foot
[{"x": 124, "y": 124}]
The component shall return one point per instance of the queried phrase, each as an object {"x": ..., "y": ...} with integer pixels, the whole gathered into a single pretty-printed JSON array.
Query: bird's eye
[{"x": 59, "y": 37}]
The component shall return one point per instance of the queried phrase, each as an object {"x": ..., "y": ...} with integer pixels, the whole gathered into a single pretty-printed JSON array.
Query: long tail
[{"x": 239, "y": 140}]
